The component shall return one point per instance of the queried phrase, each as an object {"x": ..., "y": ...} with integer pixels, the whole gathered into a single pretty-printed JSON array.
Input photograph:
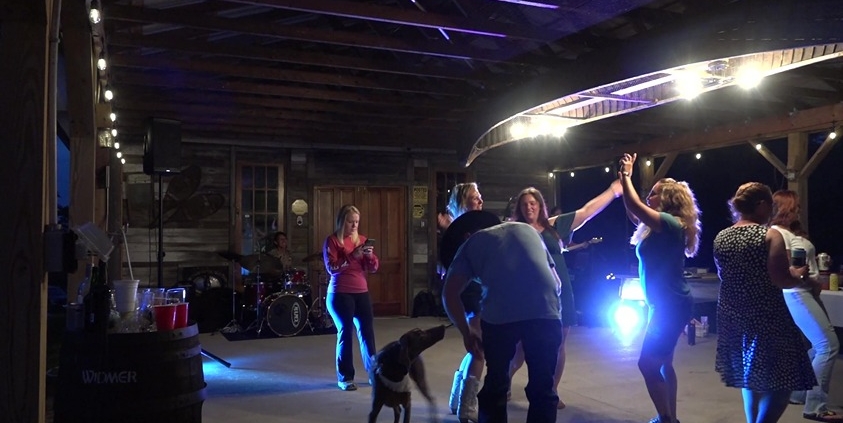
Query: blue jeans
[
  {"x": 541, "y": 339},
  {"x": 809, "y": 315},
  {"x": 350, "y": 312}
]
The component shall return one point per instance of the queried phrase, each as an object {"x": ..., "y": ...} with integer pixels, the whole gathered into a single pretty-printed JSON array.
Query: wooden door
[{"x": 383, "y": 216}]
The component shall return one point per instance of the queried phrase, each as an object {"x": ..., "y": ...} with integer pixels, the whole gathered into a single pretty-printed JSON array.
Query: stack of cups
[
  {"x": 178, "y": 297},
  {"x": 125, "y": 295}
]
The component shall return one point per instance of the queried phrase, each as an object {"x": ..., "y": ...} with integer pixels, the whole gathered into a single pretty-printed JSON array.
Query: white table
[{"x": 833, "y": 301}]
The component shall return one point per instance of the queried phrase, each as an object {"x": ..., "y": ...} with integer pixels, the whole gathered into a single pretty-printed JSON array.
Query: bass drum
[{"x": 286, "y": 313}]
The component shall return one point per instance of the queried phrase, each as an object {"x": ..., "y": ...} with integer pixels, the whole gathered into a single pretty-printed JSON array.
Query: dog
[{"x": 393, "y": 367}]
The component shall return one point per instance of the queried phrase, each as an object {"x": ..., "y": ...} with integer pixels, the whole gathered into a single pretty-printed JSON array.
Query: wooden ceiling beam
[
  {"x": 130, "y": 94},
  {"x": 281, "y": 74},
  {"x": 177, "y": 81},
  {"x": 186, "y": 111},
  {"x": 287, "y": 56},
  {"x": 270, "y": 29},
  {"x": 417, "y": 18}
]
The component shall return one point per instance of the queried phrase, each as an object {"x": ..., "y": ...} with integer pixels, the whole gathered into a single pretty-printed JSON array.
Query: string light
[
  {"x": 698, "y": 156},
  {"x": 758, "y": 146},
  {"x": 648, "y": 163},
  {"x": 113, "y": 116},
  {"x": 94, "y": 16},
  {"x": 606, "y": 169},
  {"x": 116, "y": 145},
  {"x": 101, "y": 64},
  {"x": 108, "y": 94},
  {"x": 119, "y": 154},
  {"x": 572, "y": 174}
]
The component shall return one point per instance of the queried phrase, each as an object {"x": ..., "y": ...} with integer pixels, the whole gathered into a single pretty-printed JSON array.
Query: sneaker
[{"x": 347, "y": 386}]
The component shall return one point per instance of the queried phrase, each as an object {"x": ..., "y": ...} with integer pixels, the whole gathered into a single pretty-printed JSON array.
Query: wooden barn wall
[
  {"x": 502, "y": 173},
  {"x": 196, "y": 214},
  {"x": 192, "y": 241}
]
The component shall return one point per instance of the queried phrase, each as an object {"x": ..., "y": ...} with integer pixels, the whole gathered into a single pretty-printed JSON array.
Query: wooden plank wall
[
  {"x": 195, "y": 243},
  {"x": 196, "y": 224}
]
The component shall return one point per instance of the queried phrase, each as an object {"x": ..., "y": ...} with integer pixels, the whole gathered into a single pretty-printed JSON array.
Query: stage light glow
[
  {"x": 627, "y": 320},
  {"x": 688, "y": 85}
]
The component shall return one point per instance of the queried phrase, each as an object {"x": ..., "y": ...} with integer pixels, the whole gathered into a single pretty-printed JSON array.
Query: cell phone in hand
[{"x": 369, "y": 243}]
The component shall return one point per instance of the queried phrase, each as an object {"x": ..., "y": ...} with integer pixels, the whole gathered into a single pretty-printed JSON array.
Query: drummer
[{"x": 280, "y": 251}]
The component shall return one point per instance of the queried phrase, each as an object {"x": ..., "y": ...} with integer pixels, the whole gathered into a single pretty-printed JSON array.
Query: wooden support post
[
  {"x": 797, "y": 156},
  {"x": 80, "y": 81},
  {"x": 24, "y": 41}
]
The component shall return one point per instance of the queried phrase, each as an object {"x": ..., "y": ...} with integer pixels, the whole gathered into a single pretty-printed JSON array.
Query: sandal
[{"x": 824, "y": 416}]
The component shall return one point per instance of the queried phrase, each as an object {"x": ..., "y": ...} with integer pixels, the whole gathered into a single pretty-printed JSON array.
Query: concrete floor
[{"x": 292, "y": 380}]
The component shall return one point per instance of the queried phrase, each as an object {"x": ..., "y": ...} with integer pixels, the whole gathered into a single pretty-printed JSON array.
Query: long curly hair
[{"x": 676, "y": 198}]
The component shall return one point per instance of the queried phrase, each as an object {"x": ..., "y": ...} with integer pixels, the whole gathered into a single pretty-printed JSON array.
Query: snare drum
[{"x": 286, "y": 313}]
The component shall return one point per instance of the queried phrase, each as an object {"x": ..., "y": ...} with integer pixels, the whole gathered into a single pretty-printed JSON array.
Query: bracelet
[{"x": 625, "y": 173}]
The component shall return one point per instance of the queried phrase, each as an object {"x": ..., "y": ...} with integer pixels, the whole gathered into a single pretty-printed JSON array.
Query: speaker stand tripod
[{"x": 161, "y": 255}]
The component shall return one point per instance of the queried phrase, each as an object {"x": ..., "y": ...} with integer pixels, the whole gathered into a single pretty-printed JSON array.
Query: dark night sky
[{"x": 714, "y": 179}]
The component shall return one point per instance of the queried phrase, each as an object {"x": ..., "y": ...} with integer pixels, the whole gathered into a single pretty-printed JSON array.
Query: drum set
[{"x": 281, "y": 299}]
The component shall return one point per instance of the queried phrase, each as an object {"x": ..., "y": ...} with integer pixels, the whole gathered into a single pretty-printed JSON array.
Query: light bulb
[
  {"x": 758, "y": 146},
  {"x": 832, "y": 135},
  {"x": 116, "y": 145},
  {"x": 122, "y": 161},
  {"x": 698, "y": 156},
  {"x": 113, "y": 117},
  {"x": 119, "y": 154},
  {"x": 113, "y": 132},
  {"x": 108, "y": 94},
  {"x": 648, "y": 163},
  {"x": 606, "y": 169},
  {"x": 572, "y": 174},
  {"x": 94, "y": 15},
  {"x": 101, "y": 64},
  {"x": 550, "y": 174}
]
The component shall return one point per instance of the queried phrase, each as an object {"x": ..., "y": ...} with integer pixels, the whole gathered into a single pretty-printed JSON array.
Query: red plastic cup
[
  {"x": 181, "y": 315},
  {"x": 165, "y": 316}
]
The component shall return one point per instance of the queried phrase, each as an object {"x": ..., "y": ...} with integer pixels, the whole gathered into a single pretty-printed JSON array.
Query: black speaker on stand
[{"x": 162, "y": 156}]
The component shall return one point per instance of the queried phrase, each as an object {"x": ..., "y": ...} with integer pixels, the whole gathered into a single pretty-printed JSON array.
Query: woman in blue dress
[{"x": 668, "y": 231}]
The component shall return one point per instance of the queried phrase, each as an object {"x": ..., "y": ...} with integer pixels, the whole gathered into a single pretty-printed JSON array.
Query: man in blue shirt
[{"x": 520, "y": 302}]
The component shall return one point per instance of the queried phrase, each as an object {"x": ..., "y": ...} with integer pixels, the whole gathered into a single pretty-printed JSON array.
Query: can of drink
[
  {"x": 798, "y": 257},
  {"x": 833, "y": 282}
]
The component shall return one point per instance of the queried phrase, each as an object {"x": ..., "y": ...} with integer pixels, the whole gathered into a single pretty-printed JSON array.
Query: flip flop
[{"x": 825, "y": 416}]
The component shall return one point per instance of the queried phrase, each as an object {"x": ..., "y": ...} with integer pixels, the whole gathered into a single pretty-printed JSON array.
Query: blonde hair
[
  {"x": 339, "y": 228},
  {"x": 458, "y": 203},
  {"x": 677, "y": 199}
]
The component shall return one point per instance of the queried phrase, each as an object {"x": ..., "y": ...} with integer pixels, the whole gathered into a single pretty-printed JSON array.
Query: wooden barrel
[{"x": 135, "y": 377}]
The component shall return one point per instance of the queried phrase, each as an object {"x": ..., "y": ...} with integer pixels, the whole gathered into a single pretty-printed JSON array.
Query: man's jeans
[
  {"x": 541, "y": 339},
  {"x": 813, "y": 321}
]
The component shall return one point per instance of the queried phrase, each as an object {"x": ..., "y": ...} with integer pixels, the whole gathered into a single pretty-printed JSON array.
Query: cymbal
[
  {"x": 313, "y": 257},
  {"x": 228, "y": 255},
  {"x": 267, "y": 263}
]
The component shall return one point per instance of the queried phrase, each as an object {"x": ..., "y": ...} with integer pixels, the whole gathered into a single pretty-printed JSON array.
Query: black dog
[{"x": 394, "y": 366}]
